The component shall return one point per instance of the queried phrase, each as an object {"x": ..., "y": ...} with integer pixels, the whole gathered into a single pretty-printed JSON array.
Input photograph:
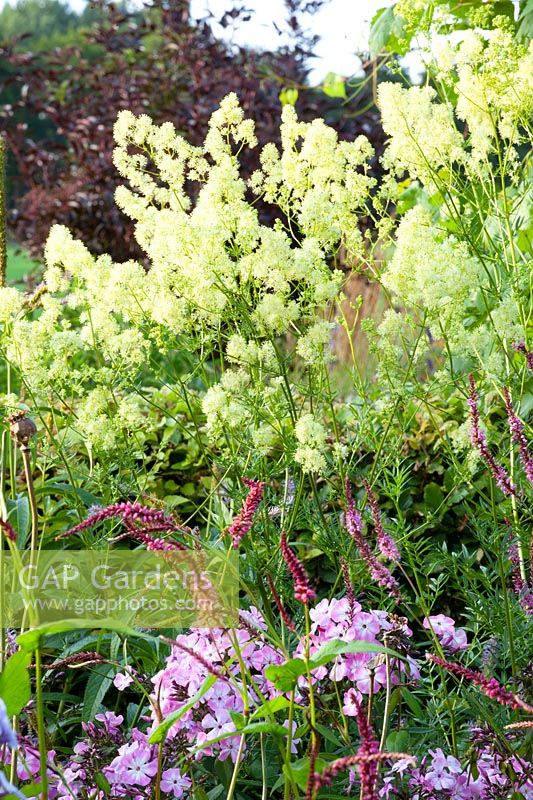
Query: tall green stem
[{"x": 41, "y": 732}]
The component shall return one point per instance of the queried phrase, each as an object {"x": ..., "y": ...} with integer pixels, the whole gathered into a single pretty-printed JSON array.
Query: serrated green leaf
[{"x": 96, "y": 688}]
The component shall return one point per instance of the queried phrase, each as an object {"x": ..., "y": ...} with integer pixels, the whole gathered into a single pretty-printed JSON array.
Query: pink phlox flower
[
  {"x": 351, "y": 701},
  {"x": 366, "y": 626},
  {"x": 110, "y": 720},
  {"x": 255, "y": 618},
  {"x": 229, "y": 748},
  {"x": 135, "y": 765},
  {"x": 450, "y": 637},
  {"x": 217, "y": 725},
  {"x": 122, "y": 680},
  {"x": 295, "y": 741},
  {"x": 174, "y": 783}
]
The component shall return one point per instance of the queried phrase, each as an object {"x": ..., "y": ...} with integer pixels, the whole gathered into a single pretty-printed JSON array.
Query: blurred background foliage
[{"x": 62, "y": 85}]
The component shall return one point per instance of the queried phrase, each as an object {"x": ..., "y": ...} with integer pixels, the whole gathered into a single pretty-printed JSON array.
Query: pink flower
[
  {"x": 245, "y": 518},
  {"x": 302, "y": 588},
  {"x": 111, "y": 721},
  {"x": 351, "y": 702},
  {"x": 135, "y": 765},
  {"x": 121, "y": 681},
  {"x": 440, "y": 624},
  {"x": 479, "y": 441},
  {"x": 443, "y": 770},
  {"x": 366, "y": 626},
  {"x": 450, "y": 637},
  {"x": 174, "y": 783}
]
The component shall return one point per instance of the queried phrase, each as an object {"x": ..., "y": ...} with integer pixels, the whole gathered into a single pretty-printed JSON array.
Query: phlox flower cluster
[
  {"x": 129, "y": 762},
  {"x": 444, "y": 777},
  {"x": 340, "y": 619},
  {"x": 451, "y": 638}
]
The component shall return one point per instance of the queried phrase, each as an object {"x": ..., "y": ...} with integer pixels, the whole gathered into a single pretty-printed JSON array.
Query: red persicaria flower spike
[
  {"x": 311, "y": 784},
  {"x": 350, "y": 593},
  {"x": 245, "y": 518},
  {"x": 522, "y": 349},
  {"x": 517, "y": 432},
  {"x": 378, "y": 572},
  {"x": 479, "y": 441},
  {"x": 8, "y": 529},
  {"x": 131, "y": 514},
  {"x": 302, "y": 588},
  {"x": 77, "y": 661},
  {"x": 284, "y": 614},
  {"x": 368, "y": 747},
  {"x": 387, "y": 546},
  {"x": 489, "y": 686}
]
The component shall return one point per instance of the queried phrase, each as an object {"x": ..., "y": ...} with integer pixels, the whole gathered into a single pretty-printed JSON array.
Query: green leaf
[
  {"x": 397, "y": 742},
  {"x": 328, "y": 735},
  {"x": 272, "y": 728},
  {"x": 412, "y": 702},
  {"x": 333, "y": 85},
  {"x": 102, "y": 783},
  {"x": 298, "y": 771},
  {"x": 525, "y": 29},
  {"x": 336, "y": 647},
  {"x": 284, "y": 676},
  {"x": 160, "y": 733},
  {"x": 15, "y": 689},
  {"x": 31, "y": 639},
  {"x": 19, "y": 516},
  {"x": 270, "y": 707},
  {"x": 99, "y": 682},
  {"x": 433, "y": 496},
  {"x": 389, "y": 32},
  {"x": 53, "y": 487}
]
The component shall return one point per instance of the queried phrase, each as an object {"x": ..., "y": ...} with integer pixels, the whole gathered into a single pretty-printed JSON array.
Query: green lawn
[{"x": 19, "y": 264}]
